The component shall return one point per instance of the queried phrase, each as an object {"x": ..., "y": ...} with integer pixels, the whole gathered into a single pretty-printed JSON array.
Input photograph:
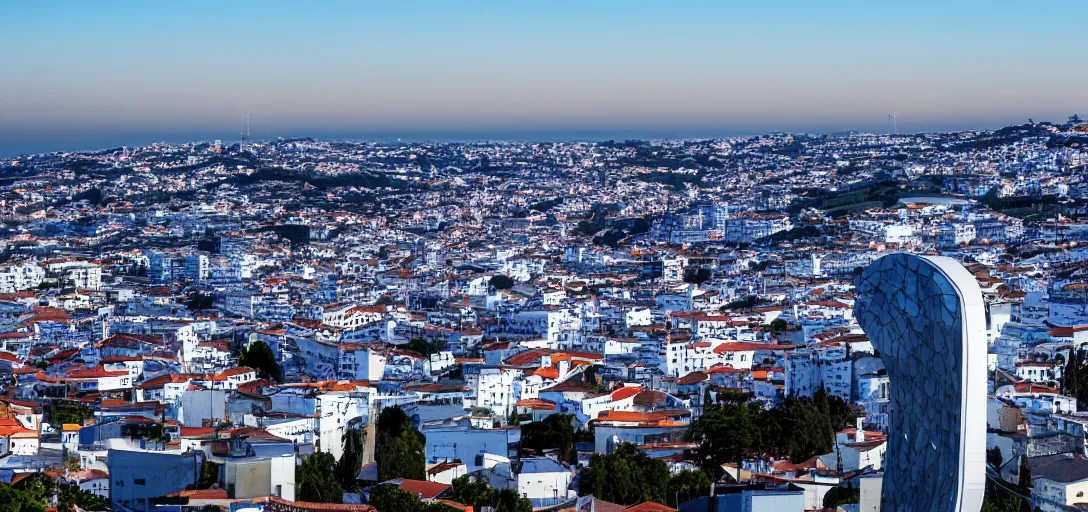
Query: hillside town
[{"x": 648, "y": 325}]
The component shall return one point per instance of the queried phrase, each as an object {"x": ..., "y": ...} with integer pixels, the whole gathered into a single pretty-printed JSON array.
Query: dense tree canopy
[
  {"x": 389, "y": 497},
  {"x": 696, "y": 275},
  {"x": 725, "y": 432},
  {"x": 501, "y": 282},
  {"x": 399, "y": 447},
  {"x": 71, "y": 496},
  {"x": 63, "y": 411},
  {"x": 258, "y": 355},
  {"x": 15, "y": 500},
  {"x": 1075, "y": 377},
  {"x": 686, "y": 486},
  {"x": 554, "y": 432},
  {"x": 799, "y": 429},
  {"x": 425, "y": 347},
  {"x": 841, "y": 496},
  {"x": 626, "y": 476},
  {"x": 32, "y": 493},
  {"x": 347, "y": 468},
  {"x": 478, "y": 495},
  {"x": 1006, "y": 497},
  {"x": 315, "y": 480}
]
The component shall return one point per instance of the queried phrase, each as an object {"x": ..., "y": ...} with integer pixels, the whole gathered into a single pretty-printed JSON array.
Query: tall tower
[
  {"x": 927, "y": 318},
  {"x": 893, "y": 123}
]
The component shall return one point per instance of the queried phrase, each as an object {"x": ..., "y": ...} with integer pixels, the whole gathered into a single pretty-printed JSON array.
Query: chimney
[{"x": 860, "y": 435}]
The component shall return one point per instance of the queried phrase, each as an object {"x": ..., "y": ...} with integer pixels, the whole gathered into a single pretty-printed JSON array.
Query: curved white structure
[{"x": 926, "y": 317}]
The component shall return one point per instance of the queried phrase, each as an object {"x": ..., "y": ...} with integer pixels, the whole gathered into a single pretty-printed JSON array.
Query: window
[{"x": 139, "y": 481}]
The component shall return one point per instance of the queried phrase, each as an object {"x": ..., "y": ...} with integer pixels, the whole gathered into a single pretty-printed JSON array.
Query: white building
[{"x": 15, "y": 277}]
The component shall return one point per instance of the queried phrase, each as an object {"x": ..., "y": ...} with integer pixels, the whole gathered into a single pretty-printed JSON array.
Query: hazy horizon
[
  {"x": 110, "y": 142},
  {"x": 82, "y": 76}
]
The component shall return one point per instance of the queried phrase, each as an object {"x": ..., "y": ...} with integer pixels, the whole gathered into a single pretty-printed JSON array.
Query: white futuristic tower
[{"x": 926, "y": 317}]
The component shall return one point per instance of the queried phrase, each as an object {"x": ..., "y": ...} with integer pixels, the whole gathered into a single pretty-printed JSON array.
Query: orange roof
[
  {"x": 548, "y": 372},
  {"x": 724, "y": 369},
  {"x": 442, "y": 466},
  {"x": 536, "y": 403},
  {"x": 191, "y": 432},
  {"x": 643, "y": 418},
  {"x": 455, "y": 505},
  {"x": 741, "y": 346},
  {"x": 230, "y": 372},
  {"x": 95, "y": 373},
  {"x": 625, "y": 393},
  {"x": 649, "y": 506},
  {"x": 202, "y": 494},
  {"x": 316, "y": 507},
  {"x": 428, "y": 490}
]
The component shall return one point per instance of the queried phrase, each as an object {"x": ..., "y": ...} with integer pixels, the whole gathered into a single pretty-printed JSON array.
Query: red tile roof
[
  {"x": 280, "y": 504},
  {"x": 427, "y": 490},
  {"x": 625, "y": 393},
  {"x": 649, "y": 506},
  {"x": 741, "y": 346}
]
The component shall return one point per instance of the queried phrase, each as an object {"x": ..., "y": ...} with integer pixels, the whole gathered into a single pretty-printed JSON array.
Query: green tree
[
  {"x": 998, "y": 499},
  {"x": 478, "y": 495},
  {"x": 198, "y": 301},
  {"x": 390, "y": 497},
  {"x": 797, "y": 429},
  {"x": 347, "y": 468},
  {"x": 508, "y": 500},
  {"x": 993, "y": 457},
  {"x": 425, "y": 347},
  {"x": 469, "y": 491},
  {"x": 555, "y": 431},
  {"x": 1072, "y": 379},
  {"x": 696, "y": 275},
  {"x": 258, "y": 355},
  {"x": 725, "y": 432},
  {"x": 63, "y": 411},
  {"x": 19, "y": 500},
  {"x": 15, "y": 500},
  {"x": 71, "y": 496},
  {"x": 626, "y": 476},
  {"x": 315, "y": 480},
  {"x": 841, "y": 496},
  {"x": 438, "y": 507},
  {"x": 399, "y": 447},
  {"x": 209, "y": 476},
  {"x": 686, "y": 486},
  {"x": 501, "y": 282},
  {"x": 1024, "y": 482},
  {"x": 840, "y": 414}
]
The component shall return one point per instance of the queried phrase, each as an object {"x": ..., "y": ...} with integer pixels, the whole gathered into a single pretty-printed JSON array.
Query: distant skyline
[{"x": 87, "y": 75}]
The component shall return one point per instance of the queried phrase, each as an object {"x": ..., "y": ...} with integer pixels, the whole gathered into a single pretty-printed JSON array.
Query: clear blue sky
[{"x": 80, "y": 74}]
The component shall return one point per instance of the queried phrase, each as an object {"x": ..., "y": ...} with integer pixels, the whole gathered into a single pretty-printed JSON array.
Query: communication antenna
[
  {"x": 893, "y": 121},
  {"x": 247, "y": 124}
]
